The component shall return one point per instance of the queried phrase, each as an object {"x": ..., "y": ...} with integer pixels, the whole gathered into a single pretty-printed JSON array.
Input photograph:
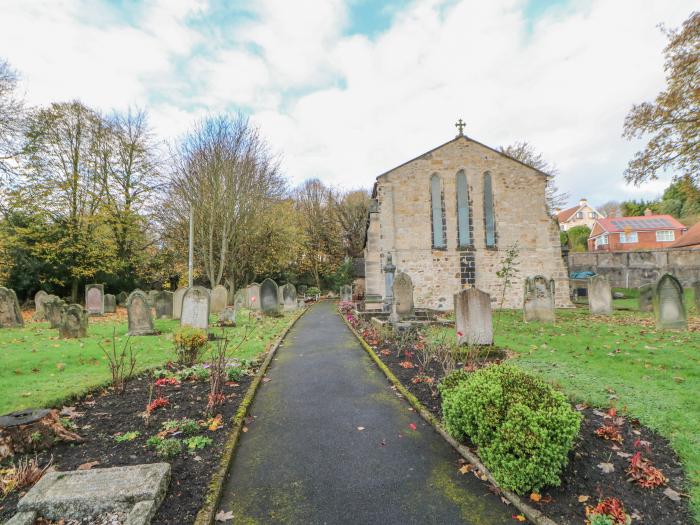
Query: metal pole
[{"x": 191, "y": 251}]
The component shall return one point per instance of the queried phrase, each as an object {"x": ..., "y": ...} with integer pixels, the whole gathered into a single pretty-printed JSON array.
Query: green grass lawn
[
  {"x": 653, "y": 375},
  {"x": 38, "y": 369}
]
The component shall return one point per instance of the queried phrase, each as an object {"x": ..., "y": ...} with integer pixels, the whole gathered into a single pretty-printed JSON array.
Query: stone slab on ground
[{"x": 137, "y": 490}]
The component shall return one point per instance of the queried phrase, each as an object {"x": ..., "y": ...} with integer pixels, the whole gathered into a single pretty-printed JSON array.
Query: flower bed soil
[
  {"x": 103, "y": 414},
  {"x": 583, "y": 480}
]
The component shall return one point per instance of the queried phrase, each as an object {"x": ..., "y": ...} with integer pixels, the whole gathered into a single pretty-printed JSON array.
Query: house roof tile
[
  {"x": 689, "y": 238},
  {"x": 642, "y": 223}
]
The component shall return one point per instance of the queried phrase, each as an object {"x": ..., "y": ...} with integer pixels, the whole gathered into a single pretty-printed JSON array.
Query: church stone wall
[{"x": 402, "y": 226}]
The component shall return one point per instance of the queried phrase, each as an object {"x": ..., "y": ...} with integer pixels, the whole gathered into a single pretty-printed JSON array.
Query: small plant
[
  {"x": 35, "y": 437},
  {"x": 197, "y": 442},
  {"x": 127, "y": 436},
  {"x": 121, "y": 362},
  {"x": 159, "y": 402},
  {"x": 608, "y": 512},
  {"x": 313, "y": 291},
  {"x": 193, "y": 373},
  {"x": 190, "y": 344},
  {"x": 235, "y": 374},
  {"x": 217, "y": 369},
  {"x": 185, "y": 425},
  {"x": 508, "y": 270},
  {"x": 167, "y": 381},
  {"x": 21, "y": 476},
  {"x": 609, "y": 433},
  {"x": 644, "y": 474},
  {"x": 168, "y": 448},
  {"x": 68, "y": 424},
  {"x": 154, "y": 441}
]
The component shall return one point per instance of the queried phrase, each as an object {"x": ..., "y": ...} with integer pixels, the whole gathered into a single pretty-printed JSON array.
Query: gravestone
[
  {"x": 239, "y": 299},
  {"x": 289, "y": 296},
  {"x": 164, "y": 305},
  {"x": 219, "y": 297},
  {"x": 152, "y": 298},
  {"x": 74, "y": 322},
  {"x": 228, "y": 317},
  {"x": 346, "y": 293},
  {"x": 95, "y": 299},
  {"x": 53, "y": 309},
  {"x": 302, "y": 289},
  {"x": 473, "y": 317},
  {"x": 139, "y": 313},
  {"x": 110, "y": 303},
  {"x": 269, "y": 301},
  {"x": 600, "y": 295},
  {"x": 195, "y": 308},
  {"x": 253, "y": 296},
  {"x": 389, "y": 270},
  {"x": 178, "y": 296},
  {"x": 668, "y": 304},
  {"x": 10, "y": 313},
  {"x": 39, "y": 300},
  {"x": 280, "y": 297},
  {"x": 646, "y": 297},
  {"x": 696, "y": 293},
  {"x": 402, "y": 292},
  {"x": 538, "y": 299},
  {"x": 121, "y": 298}
]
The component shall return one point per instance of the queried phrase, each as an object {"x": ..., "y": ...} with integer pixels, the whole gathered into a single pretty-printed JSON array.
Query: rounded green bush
[{"x": 523, "y": 427}]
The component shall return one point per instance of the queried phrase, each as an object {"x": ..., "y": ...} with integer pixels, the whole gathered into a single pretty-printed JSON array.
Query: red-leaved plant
[
  {"x": 643, "y": 473},
  {"x": 611, "y": 508}
]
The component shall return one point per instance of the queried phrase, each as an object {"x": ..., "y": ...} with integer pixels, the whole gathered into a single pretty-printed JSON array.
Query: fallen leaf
[
  {"x": 535, "y": 497},
  {"x": 606, "y": 468},
  {"x": 519, "y": 517},
  {"x": 88, "y": 466},
  {"x": 215, "y": 423},
  {"x": 245, "y": 429},
  {"x": 583, "y": 499},
  {"x": 70, "y": 412},
  {"x": 672, "y": 494},
  {"x": 412, "y": 426},
  {"x": 224, "y": 516},
  {"x": 624, "y": 454},
  {"x": 266, "y": 379},
  {"x": 360, "y": 428},
  {"x": 465, "y": 468}
]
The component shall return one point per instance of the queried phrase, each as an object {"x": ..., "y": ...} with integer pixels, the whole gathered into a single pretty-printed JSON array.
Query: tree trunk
[{"x": 74, "y": 291}]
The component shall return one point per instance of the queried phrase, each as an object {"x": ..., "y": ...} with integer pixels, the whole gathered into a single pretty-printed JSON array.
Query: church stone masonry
[{"x": 403, "y": 220}]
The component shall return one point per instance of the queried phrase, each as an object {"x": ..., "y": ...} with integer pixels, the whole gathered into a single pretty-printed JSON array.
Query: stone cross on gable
[{"x": 460, "y": 126}]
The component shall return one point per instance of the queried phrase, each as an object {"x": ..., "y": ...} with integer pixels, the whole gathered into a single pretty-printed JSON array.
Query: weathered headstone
[
  {"x": 280, "y": 297},
  {"x": 346, "y": 293},
  {"x": 219, "y": 297},
  {"x": 473, "y": 317},
  {"x": 110, "y": 303},
  {"x": 239, "y": 299},
  {"x": 95, "y": 299},
  {"x": 74, "y": 322},
  {"x": 538, "y": 299},
  {"x": 152, "y": 297},
  {"x": 646, "y": 297},
  {"x": 269, "y": 301},
  {"x": 696, "y": 293},
  {"x": 10, "y": 313},
  {"x": 178, "y": 296},
  {"x": 195, "y": 308},
  {"x": 302, "y": 289},
  {"x": 402, "y": 291},
  {"x": 139, "y": 313},
  {"x": 121, "y": 298},
  {"x": 164, "y": 305},
  {"x": 53, "y": 309},
  {"x": 39, "y": 300},
  {"x": 228, "y": 317},
  {"x": 253, "y": 296},
  {"x": 668, "y": 304},
  {"x": 600, "y": 295},
  {"x": 289, "y": 296}
]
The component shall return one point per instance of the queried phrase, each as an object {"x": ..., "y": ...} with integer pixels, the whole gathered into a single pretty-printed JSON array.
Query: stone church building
[{"x": 447, "y": 218}]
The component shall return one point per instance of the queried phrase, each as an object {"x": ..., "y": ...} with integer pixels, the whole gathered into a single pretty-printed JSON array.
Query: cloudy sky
[{"x": 346, "y": 89}]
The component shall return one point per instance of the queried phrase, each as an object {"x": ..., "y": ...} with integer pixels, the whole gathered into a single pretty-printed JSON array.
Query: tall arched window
[
  {"x": 438, "y": 213},
  {"x": 463, "y": 215},
  {"x": 489, "y": 214}
]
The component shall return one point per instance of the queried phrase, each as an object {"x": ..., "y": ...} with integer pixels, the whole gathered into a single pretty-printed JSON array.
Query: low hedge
[{"x": 523, "y": 427}]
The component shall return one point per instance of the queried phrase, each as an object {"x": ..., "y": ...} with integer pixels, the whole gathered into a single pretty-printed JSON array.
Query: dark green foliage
[
  {"x": 523, "y": 427},
  {"x": 578, "y": 238},
  {"x": 452, "y": 380},
  {"x": 235, "y": 373},
  {"x": 168, "y": 448}
]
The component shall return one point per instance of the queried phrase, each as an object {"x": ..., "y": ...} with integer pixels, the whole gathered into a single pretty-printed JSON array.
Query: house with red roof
[
  {"x": 646, "y": 232},
  {"x": 581, "y": 215},
  {"x": 690, "y": 239}
]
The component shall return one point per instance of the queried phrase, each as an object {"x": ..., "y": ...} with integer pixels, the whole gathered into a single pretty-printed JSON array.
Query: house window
[
  {"x": 463, "y": 215},
  {"x": 579, "y": 215},
  {"x": 665, "y": 236},
  {"x": 593, "y": 215},
  {"x": 628, "y": 238},
  {"x": 601, "y": 240},
  {"x": 489, "y": 213},
  {"x": 438, "y": 212}
]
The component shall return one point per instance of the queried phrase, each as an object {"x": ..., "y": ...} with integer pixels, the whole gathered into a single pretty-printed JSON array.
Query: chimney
[
  {"x": 583, "y": 202},
  {"x": 557, "y": 211},
  {"x": 648, "y": 212}
]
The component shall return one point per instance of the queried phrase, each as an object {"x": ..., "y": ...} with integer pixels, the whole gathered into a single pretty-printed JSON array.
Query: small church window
[
  {"x": 463, "y": 219},
  {"x": 438, "y": 214},
  {"x": 489, "y": 214}
]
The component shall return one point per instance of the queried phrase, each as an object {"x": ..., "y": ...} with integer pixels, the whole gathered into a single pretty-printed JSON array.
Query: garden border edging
[
  {"x": 532, "y": 514},
  {"x": 207, "y": 512}
]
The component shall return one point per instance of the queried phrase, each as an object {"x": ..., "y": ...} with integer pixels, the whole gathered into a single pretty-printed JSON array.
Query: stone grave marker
[
  {"x": 53, "y": 309},
  {"x": 219, "y": 297},
  {"x": 135, "y": 490},
  {"x": 346, "y": 293},
  {"x": 645, "y": 300},
  {"x": 228, "y": 316},
  {"x": 668, "y": 304},
  {"x": 473, "y": 317},
  {"x": 10, "y": 313},
  {"x": 280, "y": 297},
  {"x": 152, "y": 297},
  {"x": 39, "y": 300},
  {"x": 95, "y": 299},
  {"x": 600, "y": 295},
  {"x": 269, "y": 301},
  {"x": 74, "y": 322},
  {"x": 121, "y": 298},
  {"x": 178, "y": 296},
  {"x": 696, "y": 293},
  {"x": 110, "y": 303},
  {"x": 302, "y": 290},
  {"x": 389, "y": 270},
  {"x": 538, "y": 299},
  {"x": 164, "y": 305},
  {"x": 289, "y": 296},
  {"x": 239, "y": 299},
  {"x": 402, "y": 291},
  {"x": 195, "y": 308},
  {"x": 139, "y": 313},
  {"x": 253, "y": 296}
]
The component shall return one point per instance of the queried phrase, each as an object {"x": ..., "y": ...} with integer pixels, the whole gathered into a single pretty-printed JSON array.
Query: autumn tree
[
  {"x": 351, "y": 210},
  {"x": 527, "y": 154},
  {"x": 610, "y": 209},
  {"x": 11, "y": 120},
  {"x": 673, "y": 120}
]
